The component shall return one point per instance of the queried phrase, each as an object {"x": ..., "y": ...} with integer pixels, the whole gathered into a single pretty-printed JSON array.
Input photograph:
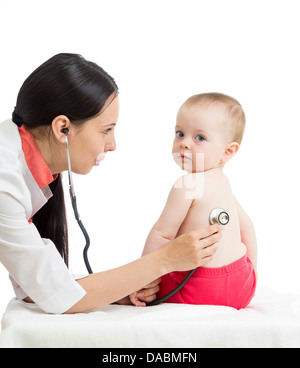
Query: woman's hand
[
  {"x": 145, "y": 295},
  {"x": 184, "y": 253},
  {"x": 196, "y": 248},
  {"x": 191, "y": 250}
]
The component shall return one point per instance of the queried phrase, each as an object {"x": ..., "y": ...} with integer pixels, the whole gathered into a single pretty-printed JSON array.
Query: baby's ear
[{"x": 230, "y": 150}]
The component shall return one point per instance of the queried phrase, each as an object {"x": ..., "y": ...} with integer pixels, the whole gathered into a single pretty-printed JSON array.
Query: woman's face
[{"x": 90, "y": 142}]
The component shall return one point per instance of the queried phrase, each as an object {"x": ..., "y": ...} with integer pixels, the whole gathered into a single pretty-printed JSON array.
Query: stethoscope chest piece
[{"x": 219, "y": 216}]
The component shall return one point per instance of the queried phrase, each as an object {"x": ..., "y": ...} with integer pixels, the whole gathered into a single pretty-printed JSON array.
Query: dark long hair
[{"x": 69, "y": 85}]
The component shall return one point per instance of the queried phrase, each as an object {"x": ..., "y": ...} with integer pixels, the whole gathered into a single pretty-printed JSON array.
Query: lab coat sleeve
[{"x": 33, "y": 262}]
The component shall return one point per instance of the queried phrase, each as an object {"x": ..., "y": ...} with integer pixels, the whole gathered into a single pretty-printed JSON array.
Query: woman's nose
[{"x": 111, "y": 146}]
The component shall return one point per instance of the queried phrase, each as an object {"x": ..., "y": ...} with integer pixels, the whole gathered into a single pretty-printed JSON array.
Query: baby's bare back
[{"x": 215, "y": 192}]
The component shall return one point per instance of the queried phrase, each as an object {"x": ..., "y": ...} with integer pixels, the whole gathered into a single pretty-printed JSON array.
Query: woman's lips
[{"x": 99, "y": 159}]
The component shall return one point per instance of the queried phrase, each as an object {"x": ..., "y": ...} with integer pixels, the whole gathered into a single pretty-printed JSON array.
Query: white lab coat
[{"x": 36, "y": 268}]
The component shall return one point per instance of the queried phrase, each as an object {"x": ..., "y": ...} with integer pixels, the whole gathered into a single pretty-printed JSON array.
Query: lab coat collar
[{"x": 11, "y": 146}]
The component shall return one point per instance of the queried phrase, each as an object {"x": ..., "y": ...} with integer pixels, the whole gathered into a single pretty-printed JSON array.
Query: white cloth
[
  {"x": 271, "y": 320},
  {"x": 35, "y": 266}
]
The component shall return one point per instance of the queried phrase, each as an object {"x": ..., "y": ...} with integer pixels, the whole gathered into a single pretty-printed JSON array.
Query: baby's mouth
[{"x": 185, "y": 156}]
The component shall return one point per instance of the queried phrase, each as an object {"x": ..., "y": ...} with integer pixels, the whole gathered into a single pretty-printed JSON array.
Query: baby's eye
[
  {"x": 179, "y": 134},
  {"x": 200, "y": 138}
]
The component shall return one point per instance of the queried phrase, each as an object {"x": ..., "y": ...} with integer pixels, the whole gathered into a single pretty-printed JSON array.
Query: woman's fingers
[
  {"x": 153, "y": 283},
  {"x": 206, "y": 234},
  {"x": 193, "y": 249}
]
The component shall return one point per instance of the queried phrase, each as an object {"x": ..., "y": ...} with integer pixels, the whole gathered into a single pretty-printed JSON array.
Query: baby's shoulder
[
  {"x": 191, "y": 184},
  {"x": 216, "y": 176}
]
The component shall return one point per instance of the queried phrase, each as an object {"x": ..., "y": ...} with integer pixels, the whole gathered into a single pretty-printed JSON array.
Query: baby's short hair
[{"x": 232, "y": 108}]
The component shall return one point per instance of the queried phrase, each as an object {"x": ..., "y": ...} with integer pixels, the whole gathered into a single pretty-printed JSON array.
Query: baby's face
[{"x": 200, "y": 138}]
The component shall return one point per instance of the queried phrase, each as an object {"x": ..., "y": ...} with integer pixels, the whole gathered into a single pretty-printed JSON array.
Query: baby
[{"x": 208, "y": 133}]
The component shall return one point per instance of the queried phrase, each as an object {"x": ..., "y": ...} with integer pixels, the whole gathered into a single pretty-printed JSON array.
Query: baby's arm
[
  {"x": 166, "y": 227},
  {"x": 247, "y": 234},
  {"x": 169, "y": 222}
]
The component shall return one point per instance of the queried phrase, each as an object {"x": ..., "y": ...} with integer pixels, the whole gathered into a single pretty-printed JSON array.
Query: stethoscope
[
  {"x": 217, "y": 216},
  {"x": 74, "y": 205}
]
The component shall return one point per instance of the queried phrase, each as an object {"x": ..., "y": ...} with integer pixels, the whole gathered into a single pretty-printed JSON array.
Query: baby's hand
[
  {"x": 145, "y": 295},
  {"x": 134, "y": 298}
]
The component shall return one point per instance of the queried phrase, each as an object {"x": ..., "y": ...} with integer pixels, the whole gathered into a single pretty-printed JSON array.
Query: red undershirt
[{"x": 35, "y": 162}]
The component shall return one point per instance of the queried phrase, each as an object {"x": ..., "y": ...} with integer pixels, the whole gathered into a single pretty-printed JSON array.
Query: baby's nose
[{"x": 185, "y": 145}]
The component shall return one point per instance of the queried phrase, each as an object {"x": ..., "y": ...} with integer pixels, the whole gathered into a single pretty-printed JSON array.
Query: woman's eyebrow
[{"x": 114, "y": 124}]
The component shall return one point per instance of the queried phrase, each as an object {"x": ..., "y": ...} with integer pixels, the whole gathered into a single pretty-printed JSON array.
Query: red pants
[{"x": 232, "y": 285}]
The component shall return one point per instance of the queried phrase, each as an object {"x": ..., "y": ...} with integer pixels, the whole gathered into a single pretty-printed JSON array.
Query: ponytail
[{"x": 51, "y": 220}]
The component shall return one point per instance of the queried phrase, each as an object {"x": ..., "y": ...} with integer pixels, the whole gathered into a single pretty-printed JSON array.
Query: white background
[{"x": 160, "y": 52}]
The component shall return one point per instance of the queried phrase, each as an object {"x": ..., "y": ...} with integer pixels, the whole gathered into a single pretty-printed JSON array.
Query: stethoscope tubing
[
  {"x": 85, "y": 233},
  {"x": 171, "y": 293},
  {"x": 74, "y": 205}
]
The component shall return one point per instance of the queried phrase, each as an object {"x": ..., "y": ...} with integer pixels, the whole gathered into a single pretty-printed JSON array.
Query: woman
[{"x": 69, "y": 95}]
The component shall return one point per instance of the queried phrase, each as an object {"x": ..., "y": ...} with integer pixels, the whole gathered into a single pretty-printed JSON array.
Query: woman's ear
[
  {"x": 230, "y": 150},
  {"x": 58, "y": 124}
]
